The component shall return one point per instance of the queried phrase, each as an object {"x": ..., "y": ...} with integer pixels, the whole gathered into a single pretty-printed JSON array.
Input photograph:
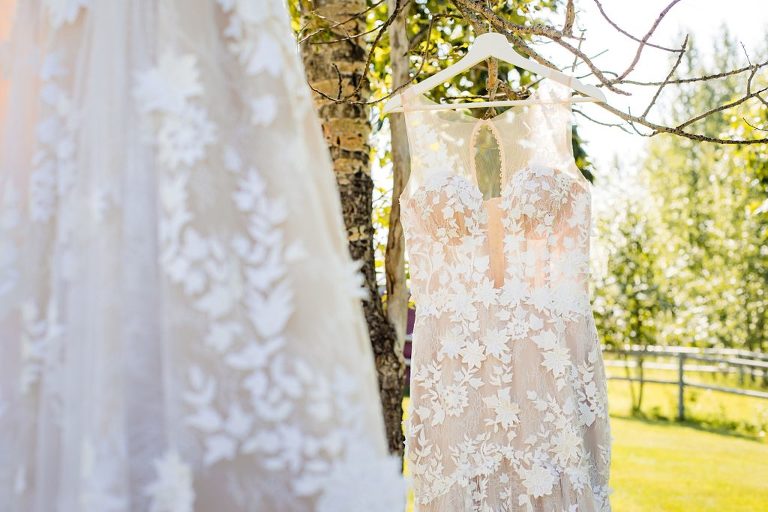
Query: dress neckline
[
  {"x": 554, "y": 96},
  {"x": 464, "y": 117}
]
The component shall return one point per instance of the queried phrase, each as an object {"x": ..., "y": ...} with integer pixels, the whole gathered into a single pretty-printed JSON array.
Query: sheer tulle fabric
[
  {"x": 179, "y": 316},
  {"x": 508, "y": 405}
]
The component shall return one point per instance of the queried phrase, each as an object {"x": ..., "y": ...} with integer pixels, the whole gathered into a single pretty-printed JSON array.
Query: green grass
[
  {"x": 716, "y": 461},
  {"x": 661, "y": 466}
]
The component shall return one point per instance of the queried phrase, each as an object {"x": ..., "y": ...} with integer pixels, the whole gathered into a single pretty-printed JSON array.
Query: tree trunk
[
  {"x": 334, "y": 68},
  {"x": 394, "y": 263}
]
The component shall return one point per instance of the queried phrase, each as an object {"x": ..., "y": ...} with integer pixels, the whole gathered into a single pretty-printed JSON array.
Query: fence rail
[{"x": 719, "y": 361}]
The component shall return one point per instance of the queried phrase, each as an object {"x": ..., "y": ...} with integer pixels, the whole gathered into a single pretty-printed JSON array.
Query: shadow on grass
[{"x": 695, "y": 424}]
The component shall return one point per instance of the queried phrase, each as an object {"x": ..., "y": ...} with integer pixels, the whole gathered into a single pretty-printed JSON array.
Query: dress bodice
[{"x": 532, "y": 222}]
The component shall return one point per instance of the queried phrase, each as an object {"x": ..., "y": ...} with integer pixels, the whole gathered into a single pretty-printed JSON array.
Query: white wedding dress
[
  {"x": 179, "y": 316},
  {"x": 508, "y": 408}
]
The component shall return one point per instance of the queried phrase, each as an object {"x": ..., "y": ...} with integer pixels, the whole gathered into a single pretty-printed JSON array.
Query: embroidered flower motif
[
  {"x": 257, "y": 49},
  {"x": 183, "y": 130},
  {"x": 473, "y": 354},
  {"x": 486, "y": 292},
  {"x": 557, "y": 360},
  {"x": 505, "y": 409},
  {"x": 455, "y": 399},
  {"x": 263, "y": 110},
  {"x": 64, "y": 11},
  {"x": 183, "y": 137},
  {"x": 566, "y": 446},
  {"x": 353, "y": 281},
  {"x": 53, "y": 163},
  {"x": 169, "y": 86},
  {"x": 42, "y": 194},
  {"x": 452, "y": 342},
  {"x": 496, "y": 343},
  {"x": 171, "y": 491},
  {"x": 538, "y": 480}
]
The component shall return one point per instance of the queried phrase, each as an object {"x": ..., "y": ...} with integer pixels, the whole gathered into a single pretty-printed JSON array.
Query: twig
[
  {"x": 334, "y": 25},
  {"x": 622, "y": 31},
  {"x": 702, "y": 78},
  {"x": 751, "y": 76},
  {"x": 753, "y": 126},
  {"x": 610, "y": 125},
  {"x": 676, "y": 130},
  {"x": 669, "y": 75},
  {"x": 478, "y": 12},
  {"x": 570, "y": 18},
  {"x": 515, "y": 30},
  {"x": 644, "y": 41},
  {"x": 721, "y": 108},
  {"x": 382, "y": 28}
]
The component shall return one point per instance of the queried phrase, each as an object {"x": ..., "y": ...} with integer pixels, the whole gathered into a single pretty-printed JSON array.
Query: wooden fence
[{"x": 688, "y": 359}]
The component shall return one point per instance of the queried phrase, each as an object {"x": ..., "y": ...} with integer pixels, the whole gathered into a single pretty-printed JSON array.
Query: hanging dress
[
  {"x": 508, "y": 407},
  {"x": 180, "y": 320}
]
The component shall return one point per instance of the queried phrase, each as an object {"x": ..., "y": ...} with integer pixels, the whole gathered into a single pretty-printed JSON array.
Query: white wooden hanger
[{"x": 494, "y": 44}]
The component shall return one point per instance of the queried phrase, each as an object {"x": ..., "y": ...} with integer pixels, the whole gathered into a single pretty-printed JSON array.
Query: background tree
[
  {"x": 336, "y": 65},
  {"x": 708, "y": 200},
  {"x": 630, "y": 296},
  {"x": 394, "y": 262},
  {"x": 685, "y": 242}
]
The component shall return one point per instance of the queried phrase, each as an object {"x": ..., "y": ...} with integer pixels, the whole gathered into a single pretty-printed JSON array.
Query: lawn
[
  {"x": 706, "y": 465},
  {"x": 659, "y": 466}
]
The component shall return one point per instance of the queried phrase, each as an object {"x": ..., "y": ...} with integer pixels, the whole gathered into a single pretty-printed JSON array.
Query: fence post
[{"x": 680, "y": 387}]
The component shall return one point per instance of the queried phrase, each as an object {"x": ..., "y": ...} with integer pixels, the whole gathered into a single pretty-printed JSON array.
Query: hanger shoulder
[{"x": 495, "y": 44}]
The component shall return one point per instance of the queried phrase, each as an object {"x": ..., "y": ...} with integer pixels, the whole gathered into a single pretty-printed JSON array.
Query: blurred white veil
[{"x": 180, "y": 326}]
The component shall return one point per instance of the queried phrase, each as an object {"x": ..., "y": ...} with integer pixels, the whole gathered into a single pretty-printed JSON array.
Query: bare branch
[
  {"x": 603, "y": 123},
  {"x": 632, "y": 122},
  {"x": 575, "y": 58},
  {"x": 622, "y": 31},
  {"x": 338, "y": 24},
  {"x": 570, "y": 18},
  {"x": 751, "y": 76},
  {"x": 382, "y": 29},
  {"x": 395, "y": 90},
  {"x": 644, "y": 41},
  {"x": 721, "y": 108},
  {"x": 338, "y": 74},
  {"x": 669, "y": 75},
  {"x": 479, "y": 13},
  {"x": 657, "y": 128},
  {"x": 597, "y": 72},
  {"x": 702, "y": 78},
  {"x": 753, "y": 126}
]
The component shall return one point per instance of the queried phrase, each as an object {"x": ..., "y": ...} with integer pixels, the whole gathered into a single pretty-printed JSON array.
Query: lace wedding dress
[
  {"x": 508, "y": 408},
  {"x": 180, "y": 319}
]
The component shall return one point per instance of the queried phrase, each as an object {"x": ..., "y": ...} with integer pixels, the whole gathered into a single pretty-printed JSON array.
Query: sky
[{"x": 703, "y": 19}]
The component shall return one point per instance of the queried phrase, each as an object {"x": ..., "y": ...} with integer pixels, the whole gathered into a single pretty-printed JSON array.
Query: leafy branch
[{"x": 482, "y": 16}]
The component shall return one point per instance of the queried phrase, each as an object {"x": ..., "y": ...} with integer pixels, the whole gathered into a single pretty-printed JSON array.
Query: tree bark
[
  {"x": 394, "y": 261},
  {"x": 334, "y": 68}
]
